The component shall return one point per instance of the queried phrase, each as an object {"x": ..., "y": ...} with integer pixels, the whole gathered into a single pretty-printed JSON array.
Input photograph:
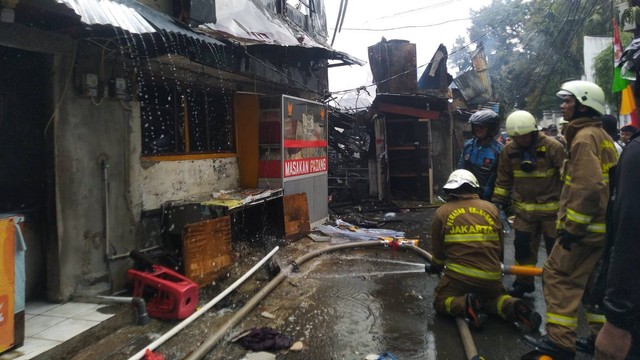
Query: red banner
[{"x": 304, "y": 166}]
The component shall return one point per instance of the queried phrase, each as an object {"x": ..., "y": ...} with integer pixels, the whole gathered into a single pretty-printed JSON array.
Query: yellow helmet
[{"x": 520, "y": 122}]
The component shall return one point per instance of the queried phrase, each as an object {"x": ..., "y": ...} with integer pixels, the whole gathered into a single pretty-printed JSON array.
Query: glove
[
  {"x": 567, "y": 239},
  {"x": 432, "y": 269}
]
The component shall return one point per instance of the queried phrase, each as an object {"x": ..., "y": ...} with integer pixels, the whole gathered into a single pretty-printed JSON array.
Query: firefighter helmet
[
  {"x": 586, "y": 93},
  {"x": 520, "y": 122},
  {"x": 460, "y": 177}
]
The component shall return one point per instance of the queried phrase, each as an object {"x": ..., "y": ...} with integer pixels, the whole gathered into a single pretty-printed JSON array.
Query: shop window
[{"x": 179, "y": 121}]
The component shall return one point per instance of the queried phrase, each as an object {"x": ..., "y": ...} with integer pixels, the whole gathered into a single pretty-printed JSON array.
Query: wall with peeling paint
[
  {"x": 178, "y": 180},
  {"x": 89, "y": 135}
]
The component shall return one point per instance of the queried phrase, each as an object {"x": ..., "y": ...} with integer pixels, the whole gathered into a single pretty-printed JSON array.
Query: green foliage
[
  {"x": 458, "y": 55},
  {"x": 532, "y": 47}
]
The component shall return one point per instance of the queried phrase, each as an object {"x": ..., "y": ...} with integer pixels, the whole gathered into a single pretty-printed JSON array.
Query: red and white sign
[{"x": 304, "y": 166}]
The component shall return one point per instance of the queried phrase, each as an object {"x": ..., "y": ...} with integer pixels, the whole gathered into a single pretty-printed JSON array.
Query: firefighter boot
[
  {"x": 544, "y": 348},
  {"x": 586, "y": 344},
  {"x": 519, "y": 288},
  {"x": 525, "y": 314},
  {"x": 475, "y": 315}
]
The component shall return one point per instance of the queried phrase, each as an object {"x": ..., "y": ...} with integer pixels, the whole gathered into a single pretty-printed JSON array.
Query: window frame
[{"x": 182, "y": 97}]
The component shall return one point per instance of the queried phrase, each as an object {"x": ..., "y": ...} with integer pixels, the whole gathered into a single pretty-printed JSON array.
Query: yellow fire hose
[{"x": 521, "y": 270}]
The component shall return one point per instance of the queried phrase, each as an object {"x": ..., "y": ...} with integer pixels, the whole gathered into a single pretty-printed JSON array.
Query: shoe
[
  {"x": 586, "y": 344},
  {"x": 526, "y": 315},
  {"x": 475, "y": 315},
  {"x": 518, "y": 289},
  {"x": 545, "y": 347}
]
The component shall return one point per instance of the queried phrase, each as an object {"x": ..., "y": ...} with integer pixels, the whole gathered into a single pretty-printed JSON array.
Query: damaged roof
[
  {"x": 131, "y": 16},
  {"x": 245, "y": 22},
  {"x": 251, "y": 23}
]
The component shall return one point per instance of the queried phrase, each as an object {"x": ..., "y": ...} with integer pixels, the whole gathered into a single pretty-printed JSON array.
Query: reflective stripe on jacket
[
  {"x": 583, "y": 202},
  {"x": 466, "y": 236},
  {"x": 536, "y": 191}
]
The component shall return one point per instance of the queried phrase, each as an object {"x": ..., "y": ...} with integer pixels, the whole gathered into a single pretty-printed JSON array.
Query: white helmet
[
  {"x": 520, "y": 122},
  {"x": 586, "y": 92},
  {"x": 459, "y": 178}
]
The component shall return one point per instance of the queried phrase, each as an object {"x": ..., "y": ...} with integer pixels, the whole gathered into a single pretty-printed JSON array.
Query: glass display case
[{"x": 293, "y": 148}]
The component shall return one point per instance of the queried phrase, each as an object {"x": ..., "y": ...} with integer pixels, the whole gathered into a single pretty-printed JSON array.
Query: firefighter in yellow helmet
[
  {"x": 466, "y": 240},
  {"x": 529, "y": 175},
  {"x": 581, "y": 222}
]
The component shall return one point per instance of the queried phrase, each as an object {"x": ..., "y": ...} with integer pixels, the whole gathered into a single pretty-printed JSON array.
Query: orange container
[{"x": 7, "y": 283}]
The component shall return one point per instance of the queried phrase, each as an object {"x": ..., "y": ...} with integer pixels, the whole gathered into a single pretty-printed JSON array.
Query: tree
[
  {"x": 459, "y": 55},
  {"x": 534, "y": 46}
]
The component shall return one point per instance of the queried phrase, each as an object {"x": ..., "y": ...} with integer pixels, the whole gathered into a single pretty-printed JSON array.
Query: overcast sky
[{"x": 427, "y": 23}]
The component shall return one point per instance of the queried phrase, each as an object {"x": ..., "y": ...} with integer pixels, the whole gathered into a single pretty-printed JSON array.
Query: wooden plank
[
  {"x": 409, "y": 111},
  {"x": 207, "y": 251},
  {"x": 296, "y": 216}
]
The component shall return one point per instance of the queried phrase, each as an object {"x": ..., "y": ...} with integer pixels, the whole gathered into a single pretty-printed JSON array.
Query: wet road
[{"x": 353, "y": 303}]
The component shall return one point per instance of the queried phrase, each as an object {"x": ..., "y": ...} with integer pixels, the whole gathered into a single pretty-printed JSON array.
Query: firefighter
[
  {"x": 529, "y": 176},
  {"x": 581, "y": 221},
  {"x": 480, "y": 154},
  {"x": 466, "y": 240}
]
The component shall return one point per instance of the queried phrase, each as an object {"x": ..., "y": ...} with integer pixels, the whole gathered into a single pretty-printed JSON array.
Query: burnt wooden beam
[{"x": 408, "y": 111}]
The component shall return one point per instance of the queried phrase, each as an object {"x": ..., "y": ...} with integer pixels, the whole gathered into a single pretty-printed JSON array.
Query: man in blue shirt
[{"x": 481, "y": 153}]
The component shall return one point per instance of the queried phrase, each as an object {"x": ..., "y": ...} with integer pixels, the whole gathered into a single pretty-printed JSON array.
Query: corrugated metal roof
[
  {"x": 249, "y": 23},
  {"x": 130, "y": 16},
  {"x": 473, "y": 88}
]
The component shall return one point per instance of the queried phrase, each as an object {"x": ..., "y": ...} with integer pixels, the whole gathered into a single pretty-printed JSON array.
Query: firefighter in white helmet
[
  {"x": 581, "y": 222},
  {"x": 529, "y": 177},
  {"x": 467, "y": 243}
]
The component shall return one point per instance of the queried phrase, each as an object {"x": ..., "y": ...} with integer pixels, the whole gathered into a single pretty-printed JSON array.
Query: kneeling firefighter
[
  {"x": 529, "y": 173},
  {"x": 467, "y": 245}
]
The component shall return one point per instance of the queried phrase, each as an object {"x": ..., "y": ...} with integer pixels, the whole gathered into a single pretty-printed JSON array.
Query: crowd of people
[{"x": 564, "y": 187}]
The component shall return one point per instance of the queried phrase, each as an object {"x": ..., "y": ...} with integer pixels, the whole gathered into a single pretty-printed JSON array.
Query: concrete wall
[{"x": 85, "y": 135}]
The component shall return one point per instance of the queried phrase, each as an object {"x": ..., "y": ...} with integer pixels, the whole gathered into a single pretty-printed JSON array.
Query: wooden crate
[
  {"x": 207, "y": 250},
  {"x": 296, "y": 216}
]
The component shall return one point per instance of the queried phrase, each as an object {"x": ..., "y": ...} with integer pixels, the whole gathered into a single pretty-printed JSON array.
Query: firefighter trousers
[
  {"x": 451, "y": 296},
  {"x": 527, "y": 241},
  {"x": 566, "y": 275}
]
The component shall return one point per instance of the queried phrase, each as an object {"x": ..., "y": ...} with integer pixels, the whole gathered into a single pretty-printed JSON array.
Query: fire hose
[{"x": 463, "y": 328}]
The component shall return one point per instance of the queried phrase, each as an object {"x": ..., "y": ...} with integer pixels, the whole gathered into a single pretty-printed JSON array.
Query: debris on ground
[
  {"x": 297, "y": 346},
  {"x": 345, "y": 232},
  {"x": 265, "y": 338},
  {"x": 319, "y": 237},
  {"x": 262, "y": 355},
  {"x": 267, "y": 315}
]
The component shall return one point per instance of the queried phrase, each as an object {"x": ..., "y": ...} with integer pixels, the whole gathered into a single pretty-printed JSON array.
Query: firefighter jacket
[
  {"x": 482, "y": 161},
  {"x": 466, "y": 237},
  {"x": 536, "y": 191},
  {"x": 584, "y": 197}
]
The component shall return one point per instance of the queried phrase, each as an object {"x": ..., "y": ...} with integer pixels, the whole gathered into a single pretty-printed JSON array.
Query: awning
[
  {"x": 247, "y": 23},
  {"x": 131, "y": 16},
  {"x": 244, "y": 22}
]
